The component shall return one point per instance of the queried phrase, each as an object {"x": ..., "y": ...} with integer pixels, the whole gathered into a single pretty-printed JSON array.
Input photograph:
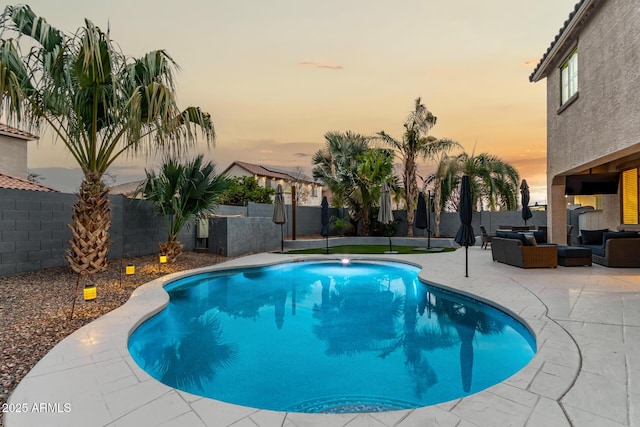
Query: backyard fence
[{"x": 34, "y": 232}]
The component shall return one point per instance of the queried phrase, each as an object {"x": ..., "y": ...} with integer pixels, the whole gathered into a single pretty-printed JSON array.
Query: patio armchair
[{"x": 486, "y": 238}]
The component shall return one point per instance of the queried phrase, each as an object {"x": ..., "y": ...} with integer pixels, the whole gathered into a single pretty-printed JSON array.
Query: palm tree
[
  {"x": 416, "y": 143},
  {"x": 100, "y": 105},
  {"x": 335, "y": 165},
  {"x": 182, "y": 192},
  {"x": 494, "y": 183},
  {"x": 354, "y": 173},
  {"x": 374, "y": 168}
]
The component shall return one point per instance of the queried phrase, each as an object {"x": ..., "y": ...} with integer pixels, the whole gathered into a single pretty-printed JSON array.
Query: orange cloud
[
  {"x": 316, "y": 64},
  {"x": 531, "y": 63}
]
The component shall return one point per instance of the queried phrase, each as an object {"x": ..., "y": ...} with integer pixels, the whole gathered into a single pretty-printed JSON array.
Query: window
[
  {"x": 569, "y": 77},
  {"x": 314, "y": 191},
  {"x": 630, "y": 196}
]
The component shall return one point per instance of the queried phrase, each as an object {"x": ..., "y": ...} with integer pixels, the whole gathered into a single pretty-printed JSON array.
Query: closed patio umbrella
[
  {"x": 465, "y": 236},
  {"x": 524, "y": 193},
  {"x": 421, "y": 212},
  {"x": 423, "y": 219},
  {"x": 385, "y": 215},
  {"x": 324, "y": 232},
  {"x": 279, "y": 213}
]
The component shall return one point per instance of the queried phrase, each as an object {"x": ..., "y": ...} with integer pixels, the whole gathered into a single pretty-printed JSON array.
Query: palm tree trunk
[
  {"x": 365, "y": 220},
  {"x": 410, "y": 191},
  {"x": 172, "y": 248},
  {"x": 90, "y": 228},
  {"x": 437, "y": 207}
]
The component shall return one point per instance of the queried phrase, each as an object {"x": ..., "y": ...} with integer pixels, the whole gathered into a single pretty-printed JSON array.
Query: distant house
[
  {"x": 593, "y": 116},
  {"x": 128, "y": 189},
  {"x": 13, "y": 160},
  {"x": 13, "y": 146},
  {"x": 308, "y": 192},
  {"x": 17, "y": 183}
]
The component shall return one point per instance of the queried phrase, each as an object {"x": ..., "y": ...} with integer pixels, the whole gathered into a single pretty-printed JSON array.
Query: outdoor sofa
[
  {"x": 523, "y": 250},
  {"x": 612, "y": 248}
]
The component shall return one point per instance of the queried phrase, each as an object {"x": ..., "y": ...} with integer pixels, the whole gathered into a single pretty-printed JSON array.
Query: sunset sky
[{"x": 276, "y": 76}]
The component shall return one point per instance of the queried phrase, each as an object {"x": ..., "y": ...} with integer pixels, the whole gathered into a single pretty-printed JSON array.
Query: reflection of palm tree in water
[
  {"x": 416, "y": 341},
  {"x": 279, "y": 300},
  {"x": 356, "y": 316},
  {"x": 466, "y": 320},
  {"x": 191, "y": 358},
  {"x": 358, "y": 307}
]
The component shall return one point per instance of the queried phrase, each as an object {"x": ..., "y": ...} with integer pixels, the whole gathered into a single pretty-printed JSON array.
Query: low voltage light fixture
[{"x": 89, "y": 292}]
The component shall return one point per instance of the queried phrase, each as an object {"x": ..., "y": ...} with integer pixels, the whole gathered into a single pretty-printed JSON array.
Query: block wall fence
[{"x": 34, "y": 232}]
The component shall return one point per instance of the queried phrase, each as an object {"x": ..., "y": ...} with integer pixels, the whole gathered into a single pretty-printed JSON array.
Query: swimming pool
[{"x": 327, "y": 337}]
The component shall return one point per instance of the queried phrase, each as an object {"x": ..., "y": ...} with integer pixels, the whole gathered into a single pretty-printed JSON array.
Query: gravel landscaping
[{"x": 35, "y": 308}]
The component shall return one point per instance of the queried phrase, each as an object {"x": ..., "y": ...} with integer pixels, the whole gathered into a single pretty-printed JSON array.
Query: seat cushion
[
  {"x": 618, "y": 235},
  {"x": 512, "y": 235},
  {"x": 595, "y": 249},
  {"x": 574, "y": 252}
]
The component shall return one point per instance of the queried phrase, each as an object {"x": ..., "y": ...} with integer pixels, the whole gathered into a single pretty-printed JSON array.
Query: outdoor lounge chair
[{"x": 486, "y": 238}]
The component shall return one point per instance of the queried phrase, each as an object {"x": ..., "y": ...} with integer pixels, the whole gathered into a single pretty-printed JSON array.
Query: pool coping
[{"x": 93, "y": 372}]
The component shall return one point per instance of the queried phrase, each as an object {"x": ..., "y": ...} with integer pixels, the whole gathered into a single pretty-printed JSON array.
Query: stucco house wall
[
  {"x": 600, "y": 129},
  {"x": 13, "y": 156}
]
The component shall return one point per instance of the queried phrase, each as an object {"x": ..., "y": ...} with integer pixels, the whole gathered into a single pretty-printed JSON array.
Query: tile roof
[
  {"x": 127, "y": 189},
  {"x": 15, "y": 183},
  {"x": 17, "y": 133},
  {"x": 537, "y": 73},
  {"x": 266, "y": 171}
]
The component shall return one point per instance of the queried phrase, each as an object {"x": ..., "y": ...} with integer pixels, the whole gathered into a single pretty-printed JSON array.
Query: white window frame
[{"x": 569, "y": 78}]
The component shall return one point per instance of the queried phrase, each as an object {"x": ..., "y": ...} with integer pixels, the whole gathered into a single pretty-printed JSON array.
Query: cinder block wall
[
  {"x": 34, "y": 232},
  {"x": 33, "y": 229}
]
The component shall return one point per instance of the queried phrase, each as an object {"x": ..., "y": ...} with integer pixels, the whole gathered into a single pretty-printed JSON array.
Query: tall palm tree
[
  {"x": 181, "y": 192},
  {"x": 99, "y": 103},
  {"x": 416, "y": 143}
]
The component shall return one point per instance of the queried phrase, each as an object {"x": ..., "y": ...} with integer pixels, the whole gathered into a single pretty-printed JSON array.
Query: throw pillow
[
  {"x": 541, "y": 236},
  {"x": 530, "y": 239},
  {"x": 592, "y": 237}
]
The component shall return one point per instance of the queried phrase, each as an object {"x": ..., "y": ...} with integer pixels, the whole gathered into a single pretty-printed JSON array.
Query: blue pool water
[{"x": 327, "y": 337}]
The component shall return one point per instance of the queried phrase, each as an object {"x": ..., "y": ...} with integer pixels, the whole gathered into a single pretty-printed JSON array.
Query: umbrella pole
[
  {"x": 281, "y": 238},
  {"x": 327, "y": 239},
  {"x": 390, "y": 250},
  {"x": 466, "y": 261},
  {"x": 429, "y": 239}
]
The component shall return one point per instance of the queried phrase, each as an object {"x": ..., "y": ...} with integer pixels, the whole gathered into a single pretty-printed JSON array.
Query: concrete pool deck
[{"x": 586, "y": 371}]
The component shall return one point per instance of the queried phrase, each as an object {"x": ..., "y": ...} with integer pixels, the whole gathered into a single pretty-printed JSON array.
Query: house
[
  {"x": 13, "y": 160},
  {"x": 593, "y": 116},
  {"x": 308, "y": 192},
  {"x": 13, "y": 146}
]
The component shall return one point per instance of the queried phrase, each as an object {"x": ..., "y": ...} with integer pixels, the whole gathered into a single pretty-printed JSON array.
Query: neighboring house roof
[
  {"x": 127, "y": 189},
  {"x": 567, "y": 34},
  {"x": 267, "y": 171},
  {"x": 16, "y": 133},
  {"x": 15, "y": 183}
]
